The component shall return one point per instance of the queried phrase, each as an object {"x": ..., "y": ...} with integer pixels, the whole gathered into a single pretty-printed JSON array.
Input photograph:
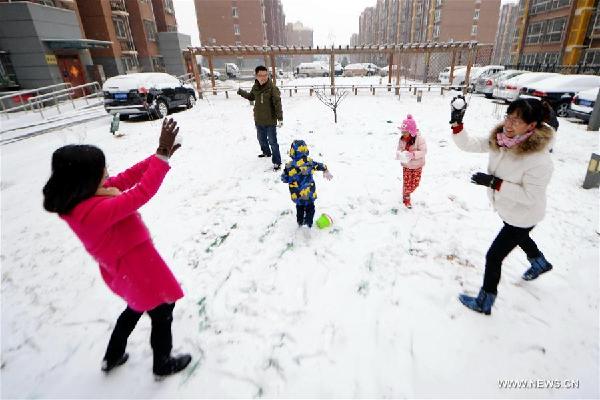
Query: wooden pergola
[{"x": 270, "y": 52}]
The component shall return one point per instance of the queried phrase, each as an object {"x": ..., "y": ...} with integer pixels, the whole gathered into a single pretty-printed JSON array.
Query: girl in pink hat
[{"x": 411, "y": 153}]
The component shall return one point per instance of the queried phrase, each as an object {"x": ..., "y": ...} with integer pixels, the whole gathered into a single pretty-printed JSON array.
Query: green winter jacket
[{"x": 267, "y": 103}]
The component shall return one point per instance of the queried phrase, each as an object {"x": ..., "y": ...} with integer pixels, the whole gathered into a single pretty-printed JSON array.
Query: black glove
[
  {"x": 486, "y": 180},
  {"x": 458, "y": 106}
]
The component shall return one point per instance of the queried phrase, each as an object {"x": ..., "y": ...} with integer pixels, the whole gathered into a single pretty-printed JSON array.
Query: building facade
[
  {"x": 557, "y": 32},
  {"x": 507, "y": 26},
  {"x": 298, "y": 34}
]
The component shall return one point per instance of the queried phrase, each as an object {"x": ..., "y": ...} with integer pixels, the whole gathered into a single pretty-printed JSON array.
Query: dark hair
[
  {"x": 531, "y": 110},
  {"x": 260, "y": 68},
  {"x": 77, "y": 170}
]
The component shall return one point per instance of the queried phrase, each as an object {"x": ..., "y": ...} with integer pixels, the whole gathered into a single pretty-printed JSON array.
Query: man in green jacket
[{"x": 268, "y": 115}]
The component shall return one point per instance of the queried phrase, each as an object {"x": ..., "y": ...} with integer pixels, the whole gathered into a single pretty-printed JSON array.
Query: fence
[
  {"x": 415, "y": 61},
  {"x": 562, "y": 69}
]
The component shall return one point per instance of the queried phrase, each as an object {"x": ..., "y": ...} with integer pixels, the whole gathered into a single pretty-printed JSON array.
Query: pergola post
[
  {"x": 191, "y": 59},
  {"x": 390, "y": 70},
  {"x": 452, "y": 65},
  {"x": 272, "y": 57},
  {"x": 332, "y": 71},
  {"x": 212, "y": 75},
  {"x": 468, "y": 72},
  {"x": 398, "y": 74}
]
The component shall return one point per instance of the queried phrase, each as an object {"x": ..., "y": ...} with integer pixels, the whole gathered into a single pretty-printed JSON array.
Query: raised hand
[
  {"x": 458, "y": 107},
  {"x": 327, "y": 175},
  {"x": 166, "y": 141}
]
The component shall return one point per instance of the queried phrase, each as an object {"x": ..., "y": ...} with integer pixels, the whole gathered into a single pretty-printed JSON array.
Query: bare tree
[{"x": 331, "y": 101}]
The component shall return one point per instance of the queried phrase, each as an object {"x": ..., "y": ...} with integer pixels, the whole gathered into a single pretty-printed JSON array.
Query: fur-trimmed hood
[{"x": 540, "y": 140}]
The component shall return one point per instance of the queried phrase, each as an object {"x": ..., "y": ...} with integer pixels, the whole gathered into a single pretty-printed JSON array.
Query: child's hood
[{"x": 298, "y": 149}]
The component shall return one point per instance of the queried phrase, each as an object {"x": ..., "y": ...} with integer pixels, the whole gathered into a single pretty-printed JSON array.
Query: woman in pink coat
[
  {"x": 411, "y": 153},
  {"x": 103, "y": 213}
]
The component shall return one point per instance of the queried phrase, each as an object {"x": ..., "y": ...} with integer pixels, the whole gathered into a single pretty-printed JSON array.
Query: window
[
  {"x": 158, "y": 64},
  {"x": 171, "y": 28},
  {"x": 438, "y": 15},
  {"x": 540, "y": 6},
  {"x": 120, "y": 28},
  {"x": 474, "y": 30},
  {"x": 236, "y": 29},
  {"x": 555, "y": 31},
  {"x": 169, "y": 6},
  {"x": 534, "y": 32},
  {"x": 436, "y": 31},
  {"x": 150, "y": 28},
  {"x": 130, "y": 63},
  {"x": 476, "y": 16},
  {"x": 238, "y": 43},
  {"x": 234, "y": 12},
  {"x": 592, "y": 57}
]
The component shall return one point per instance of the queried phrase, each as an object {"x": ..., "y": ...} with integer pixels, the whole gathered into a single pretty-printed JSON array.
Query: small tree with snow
[{"x": 331, "y": 101}]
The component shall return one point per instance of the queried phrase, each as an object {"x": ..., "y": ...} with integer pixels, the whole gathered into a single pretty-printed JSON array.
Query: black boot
[
  {"x": 171, "y": 365},
  {"x": 107, "y": 365}
]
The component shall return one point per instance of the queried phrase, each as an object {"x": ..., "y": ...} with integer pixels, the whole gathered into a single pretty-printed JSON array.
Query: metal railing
[
  {"x": 24, "y": 95},
  {"x": 89, "y": 91}
]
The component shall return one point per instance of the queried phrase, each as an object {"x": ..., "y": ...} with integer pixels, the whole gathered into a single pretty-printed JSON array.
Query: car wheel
[
  {"x": 325, "y": 74},
  {"x": 563, "y": 109},
  {"x": 191, "y": 101},
  {"x": 488, "y": 95},
  {"x": 161, "y": 110},
  {"x": 123, "y": 117}
]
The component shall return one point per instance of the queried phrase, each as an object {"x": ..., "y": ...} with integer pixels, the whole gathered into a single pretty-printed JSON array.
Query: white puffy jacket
[{"x": 525, "y": 170}]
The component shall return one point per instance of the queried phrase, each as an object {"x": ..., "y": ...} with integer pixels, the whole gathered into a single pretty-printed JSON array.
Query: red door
[{"x": 72, "y": 71}]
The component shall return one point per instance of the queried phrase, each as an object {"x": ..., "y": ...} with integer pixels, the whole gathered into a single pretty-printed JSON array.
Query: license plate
[
  {"x": 585, "y": 103},
  {"x": 120, "y": 96}
]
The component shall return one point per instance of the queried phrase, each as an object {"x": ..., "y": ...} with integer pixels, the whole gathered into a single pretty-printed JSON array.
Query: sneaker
[
  {"x": 406, "y": 201},
  {"x": 263, "y": 155},
  {"x": 108, "y": 366},
  {"x": 276, "y": 167}
]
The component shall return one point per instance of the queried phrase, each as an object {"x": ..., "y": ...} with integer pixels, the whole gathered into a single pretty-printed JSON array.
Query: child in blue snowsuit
[{"x": 298, "y": 174}]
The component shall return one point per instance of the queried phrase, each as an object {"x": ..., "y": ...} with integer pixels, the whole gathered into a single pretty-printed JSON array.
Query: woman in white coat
[{"x": 519, "y": 170}]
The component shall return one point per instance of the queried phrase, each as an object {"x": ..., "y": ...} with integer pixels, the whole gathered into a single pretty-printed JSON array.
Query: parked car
[
  {"x": 460, "y": 75},
  {"x": 444, "y": 76},
  {"x": 384, "y": 71},
  {"x": 488, "y": 81},
  {"x": 360, "y": 69},
  {"x": 205, "y": 73},
  {"x": 582, "y": 105},
  {"x": 146, "y": 93},
  {"x": 510, "y": 89},
  {"x": 558, "y": 91},
  {"x": 311, "y": 69},
  {"x": 338, "y": 69},
  {"x": 232, "y": 70}
]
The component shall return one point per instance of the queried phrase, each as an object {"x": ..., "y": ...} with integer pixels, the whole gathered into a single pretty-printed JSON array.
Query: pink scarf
[{"x": 509, "y": 142}]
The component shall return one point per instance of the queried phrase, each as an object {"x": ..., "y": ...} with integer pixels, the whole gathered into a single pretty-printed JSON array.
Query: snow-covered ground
[{"x": 366, "y": 308}]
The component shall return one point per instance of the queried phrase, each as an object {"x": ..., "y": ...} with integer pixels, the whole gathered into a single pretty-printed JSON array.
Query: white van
[
  {"x": 311, "y": 69},
  {"x": 232, "y": 70},
  {"x": 474, "y": 74}
]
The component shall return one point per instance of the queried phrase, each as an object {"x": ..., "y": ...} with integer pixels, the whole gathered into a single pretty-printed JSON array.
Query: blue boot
[
  {"x": 482, "y": 303},
  {"x": 539, "y": 265}
]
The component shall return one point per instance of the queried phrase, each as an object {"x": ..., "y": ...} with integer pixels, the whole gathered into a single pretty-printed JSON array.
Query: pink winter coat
[
  {"x": 112, "y": 231},
  {"x": 419, "y": 149}
]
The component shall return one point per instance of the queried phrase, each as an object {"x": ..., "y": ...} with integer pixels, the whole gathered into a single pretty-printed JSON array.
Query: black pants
[
  {"x": 508, "y": 238},
  {"x": 267, "y": 136},
  {"x": 305, "y": 214},
  {"x": 160, "y": 337}
]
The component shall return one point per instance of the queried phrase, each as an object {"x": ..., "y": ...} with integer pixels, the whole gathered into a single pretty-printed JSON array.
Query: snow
[
  {"x": 567, "y": 83},
  {"x": 365, "y": 308}
]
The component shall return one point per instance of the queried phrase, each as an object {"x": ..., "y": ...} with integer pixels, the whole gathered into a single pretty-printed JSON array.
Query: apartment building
[
  {"x": 231, "y": 22},
  {"x": 42, "y": 44},
  {"x": 275, "y": 22},
  {"x": 507, "y": 25},
  {"x": 563, "y": 32},
  {"x": 299, "y": 35}
]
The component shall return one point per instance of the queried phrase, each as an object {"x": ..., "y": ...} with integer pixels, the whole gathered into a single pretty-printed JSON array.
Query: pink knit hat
[{"x": 409, "y": 125}]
